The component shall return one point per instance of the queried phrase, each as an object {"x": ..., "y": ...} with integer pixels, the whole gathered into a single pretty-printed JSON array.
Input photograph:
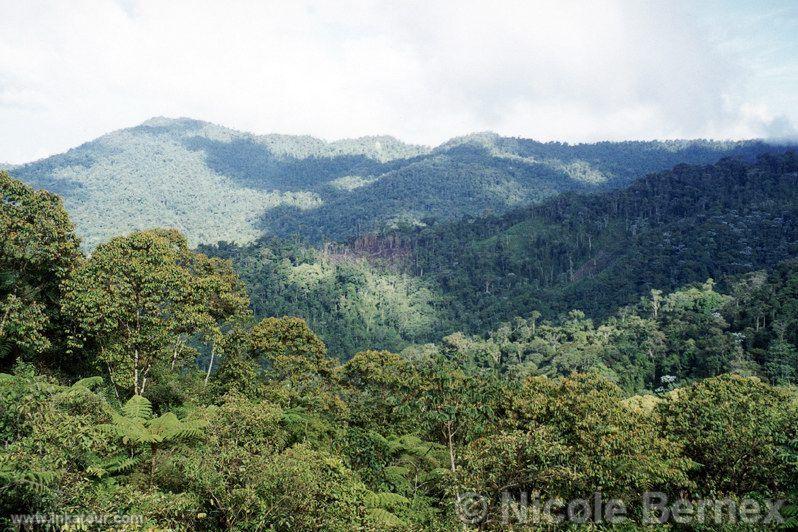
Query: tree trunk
[
  {"x": 210, "y": 366},
  {"x": 452, "y": 464},
  {"x": 136, "y": 373},
  {"x": 153, "y": 452}
]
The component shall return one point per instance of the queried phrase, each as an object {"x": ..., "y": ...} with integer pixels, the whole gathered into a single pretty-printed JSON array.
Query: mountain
[
  {"x": 592, "y": 252},
  {"x": 210, "y": 182},
  {"x": 601, "y": 251},
  {"x": 214, "y": 183}
]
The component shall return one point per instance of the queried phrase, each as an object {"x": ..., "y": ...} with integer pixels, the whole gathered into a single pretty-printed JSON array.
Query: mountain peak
[
  {"x": 481, "y": 138},
  {"x": 165, "y": 121}
]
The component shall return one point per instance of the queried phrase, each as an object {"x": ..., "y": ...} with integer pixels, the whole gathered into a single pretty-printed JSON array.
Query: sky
[{"x": 423, "y": 71}]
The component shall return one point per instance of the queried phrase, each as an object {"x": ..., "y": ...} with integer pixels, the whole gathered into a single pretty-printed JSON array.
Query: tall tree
[
  {"x": 38, "y": 249},
  {"x": 142, "y": 300}
]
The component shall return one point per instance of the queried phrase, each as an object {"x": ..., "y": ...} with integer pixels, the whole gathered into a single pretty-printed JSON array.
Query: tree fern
[
  {"x": 381, "y": 508},
  {"x": 382, "y": 519},
  {"x": 112, "y": 466},
  {"x": 139, "y": 430},
  {"x": 37, "y": 481},
  {"x": 5, "y": 347},
  {"x": 137, "y": 407},
  {"x": 386, "y": 500},
  {"x": 89, "y": 382},
  {"x": 7, "y": 280}
]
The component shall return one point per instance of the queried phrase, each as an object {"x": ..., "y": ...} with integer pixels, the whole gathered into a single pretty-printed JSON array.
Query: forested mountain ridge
[
  {"x": 592, "y": 252},
  {"x": 598, "y": 252},
  {"x": 213, "y": 183},
  {"x": 206, "y": 180},
  {"x": 484, "y": 173}
]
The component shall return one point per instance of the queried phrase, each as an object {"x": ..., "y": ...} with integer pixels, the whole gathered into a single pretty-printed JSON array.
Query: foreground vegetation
[{"x": 137, "y": 381}]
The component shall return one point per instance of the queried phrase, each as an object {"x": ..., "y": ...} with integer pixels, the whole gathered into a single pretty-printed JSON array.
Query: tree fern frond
[
  {"x": 131, "y": 430},
  {"x": 5, "y": 348},
  {"x": 396, "y": 475},
  {"x": 166, "y": 427},
  {"x": 137, "y": 407},
  {"x": 192, "y": 428},
  {"x": 382, "y": 519},
  {"x": 294, "y": 415},
  {"x": 113, "y": 465},
  {"x": 38, "y": 481},
  {"x": 88, "y": 382},
  {"x": 385, "y": 500},
  {"x": 7, "y": 280}
]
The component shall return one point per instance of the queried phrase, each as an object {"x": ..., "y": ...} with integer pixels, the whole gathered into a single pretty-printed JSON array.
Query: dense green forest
[
  {"x": 592, "y": 252},
  {"x": 137, "y": 383},
  {"x": 351, "y": 303},
  {"x": 482, "y": 174},
  {"x": 598, "y": 252},
  {"x": 214, "y": 183}
]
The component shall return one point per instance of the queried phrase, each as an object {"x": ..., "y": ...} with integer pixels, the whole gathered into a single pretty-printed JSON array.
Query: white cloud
[{"x": 421, "y": 70}]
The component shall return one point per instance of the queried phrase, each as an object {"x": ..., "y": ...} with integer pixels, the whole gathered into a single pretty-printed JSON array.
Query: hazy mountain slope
[
  {"x": 215, "y": 183},
  {"x": 192, "y": 175}
]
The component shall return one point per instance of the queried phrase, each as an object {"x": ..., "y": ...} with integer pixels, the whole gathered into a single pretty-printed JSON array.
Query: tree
[
  {"x": 38, "y": 250},
  {"x": 140, "y": 299},
  {"x": 458, "y": 405},
  {"x": 380, "y": 387},
  {"x": 606, "y": 445},
  {"x": 738, "y": 430},
  {"x": 291, "y": 351}
]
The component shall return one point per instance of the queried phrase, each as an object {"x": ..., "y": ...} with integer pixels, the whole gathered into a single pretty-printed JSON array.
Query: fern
[
  {"x": 131, "y": 430},
  {"x": 381, "y": 508},
  {"x": 382, "y": 519},
  {"x": 385, "y": 500},
  {"x": 137, "y": 407},
  {"x": 88, "y": 382},
  {"x": 37, "y": 481},
  {"x": 138, "y": 429},
  {"x": 113, "y": 465},
  {"x": 7, "y": 280},
  {"x": 5, "y": 347}
]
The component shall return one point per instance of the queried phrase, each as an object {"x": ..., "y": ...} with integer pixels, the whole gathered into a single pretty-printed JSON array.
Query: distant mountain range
[{"x": 214, "y": 183}]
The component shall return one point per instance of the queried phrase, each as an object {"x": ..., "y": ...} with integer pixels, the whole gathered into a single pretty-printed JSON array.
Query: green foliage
[
  {"x": 602, "y": 251},
  {"x": 483, "y": 173},
  {"x": 140, "y": 299},
  {"x": 738, "y": 430},
  {"x": 139, "y": 430},
  {"x": 210, "y": 182},
  {"x": 38, "y": 250},
  {"x": 351, "y": 304},
  {"x": 286, "y": 437},
  {"x": 592, "y": 252}
]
